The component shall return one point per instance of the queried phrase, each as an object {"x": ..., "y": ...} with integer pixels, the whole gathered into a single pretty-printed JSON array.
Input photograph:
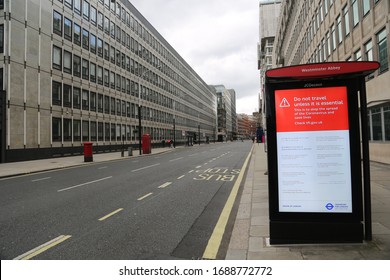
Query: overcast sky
[{"x": 217, "y": 38}]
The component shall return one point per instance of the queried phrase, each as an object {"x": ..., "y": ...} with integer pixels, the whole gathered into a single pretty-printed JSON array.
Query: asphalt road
[{"x": 156, "y": 207}]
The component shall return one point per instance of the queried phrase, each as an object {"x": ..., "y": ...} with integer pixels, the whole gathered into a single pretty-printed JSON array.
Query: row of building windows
[
  {"x": 77, "y": 130},
  {"x": 106, "y": 23},
  {"x": 338, "y": 31},
  {"x": 73, "y": 64},
  {"x": 77, "y": 98}
]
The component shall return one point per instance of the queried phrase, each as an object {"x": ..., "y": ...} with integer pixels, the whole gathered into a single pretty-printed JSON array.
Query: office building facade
[
  {"x": 269, "y": 11},
  {"x": 77, "y": 71},
  {"x": 226, "y": 113},
  {"x": 342, "y": 30}
]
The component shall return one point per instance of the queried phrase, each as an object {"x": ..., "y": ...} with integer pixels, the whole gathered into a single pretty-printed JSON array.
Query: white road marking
[
  {"x": 40, "y": 179},
  {"x": 146, "y": 167},
  {"x": 176, "y": 159},
  {"x": 145, "y": 196},
  {"x": 84, "y": 184},
  {"x": 182, "y": 176},
  {"x": 164, "y": 185}
]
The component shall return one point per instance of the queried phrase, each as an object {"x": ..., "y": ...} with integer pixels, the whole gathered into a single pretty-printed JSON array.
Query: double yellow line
[
  {"x": 44, "y": 247},
  {"x": 215, "y": 240}
]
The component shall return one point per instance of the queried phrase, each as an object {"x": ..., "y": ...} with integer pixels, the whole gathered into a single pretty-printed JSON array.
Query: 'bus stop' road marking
[{"x": 42, "y": 248}]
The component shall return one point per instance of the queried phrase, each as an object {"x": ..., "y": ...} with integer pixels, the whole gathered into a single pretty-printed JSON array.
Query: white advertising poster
[{"x": 314, "y": 169}]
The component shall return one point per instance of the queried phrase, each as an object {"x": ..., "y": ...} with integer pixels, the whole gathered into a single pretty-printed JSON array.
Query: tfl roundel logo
[{"x": 329, "y": 206}]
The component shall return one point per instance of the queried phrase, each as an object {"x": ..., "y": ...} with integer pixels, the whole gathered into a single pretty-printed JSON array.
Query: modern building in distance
[
  {"x": 77, "y": 71},
  {"x": 226, "y": 113},
  {"x": 342, "y": 30},
  {"x": 269, "y": 11}
]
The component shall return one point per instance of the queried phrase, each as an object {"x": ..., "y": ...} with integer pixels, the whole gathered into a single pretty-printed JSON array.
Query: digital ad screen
[{"x": 313, "y": 150}]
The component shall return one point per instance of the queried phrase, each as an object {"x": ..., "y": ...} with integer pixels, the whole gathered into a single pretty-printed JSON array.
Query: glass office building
[{"x": 77, "y": 71}]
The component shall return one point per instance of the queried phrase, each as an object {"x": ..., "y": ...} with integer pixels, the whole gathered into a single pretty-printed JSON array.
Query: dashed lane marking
[
  {"x": 84, "y": 184},
  {"x": 145, "y": 196},
  {"x": 164, "y": 185},
  {"x": 111, "y": 214},
  {"x": 41, "y": 179}
]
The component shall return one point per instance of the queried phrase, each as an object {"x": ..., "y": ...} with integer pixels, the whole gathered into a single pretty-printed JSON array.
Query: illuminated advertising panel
[{"x": 313, "y": 150}]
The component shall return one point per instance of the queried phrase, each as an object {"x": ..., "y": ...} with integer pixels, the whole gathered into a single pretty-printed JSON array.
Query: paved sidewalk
[
  {"x": 250, "y": 235},
  {"x": 32, "y": 166}
]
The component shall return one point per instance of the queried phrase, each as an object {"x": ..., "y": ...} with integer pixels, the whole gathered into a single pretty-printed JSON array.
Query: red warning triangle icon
[{"x": 284, "y": 103}]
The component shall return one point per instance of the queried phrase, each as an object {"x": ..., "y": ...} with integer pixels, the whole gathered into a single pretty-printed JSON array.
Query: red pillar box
[
  {"x": 146, "y": 144},
  {"x": 88, "y": 152}
]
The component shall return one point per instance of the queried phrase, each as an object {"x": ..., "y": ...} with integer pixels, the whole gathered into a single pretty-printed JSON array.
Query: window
[
  {"x": 100, "y": 131},
  {"x": 100, "y": 20},
  {"x": 339, "y": 29},
  {"x": 93, "y": 15},
  {"x": 368, "y": 51},
  {"x": 76, "y": 130},
  {"x": 77, "y": 34},
  {"x": 57, "y": 23},
  {"x": 107, "y": 131},
  {"x": 86, "y": 10},
  {"x": 67, "y": 96},
  {"x": 56, "y": 93},
  {"x": 57, "y": 58},
  {"x": 112, "y": 54},
  {"x": 346, "y": 20},
  {"x": 67, "y": 62},
  {"x": 92, "y": 43},
  {"x": 69, "y": 3},
  {"x": 76, "y": 66},
  {"x": 106, "y": 78},
  {"x": 106, "y": 25},
  {"x": 112, "y": 29},
  {"x": 112, "y": 80},
  {"x": 85, "y": 100},
  {"x": 106, "y": 51},
  {"x": 68, "y": 29},
  {"x": 93, "y": 72},
  {"x": 92, "y": 104},
  {"x": 56, "y": 129},
  {"x": 100, "y": 47},
  {"x": 67, "y": 130},
  {"x": 93, "y": 131},
  {"x": 366, "y": 7},
  {"x": 100, "y": 103},
  {"x": 100, "y": 75},
  {"x": 355, "y": 12},
  {"x": 77, "y": 6},
  {"x": 112, "y": 106},
  {"x": 85, "y": 130},
  {"x": 118, "y": 107},
  {"x": 85, "y": 39},
  {"x": 106, "y": 104},
  {"x": 85, "y": 69},
  {"x": 358, "y": 55},
  {"x": 382, "y": 51},
  {"x": 1, "y": 38},
  {"x": 76, "y": 98}
]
